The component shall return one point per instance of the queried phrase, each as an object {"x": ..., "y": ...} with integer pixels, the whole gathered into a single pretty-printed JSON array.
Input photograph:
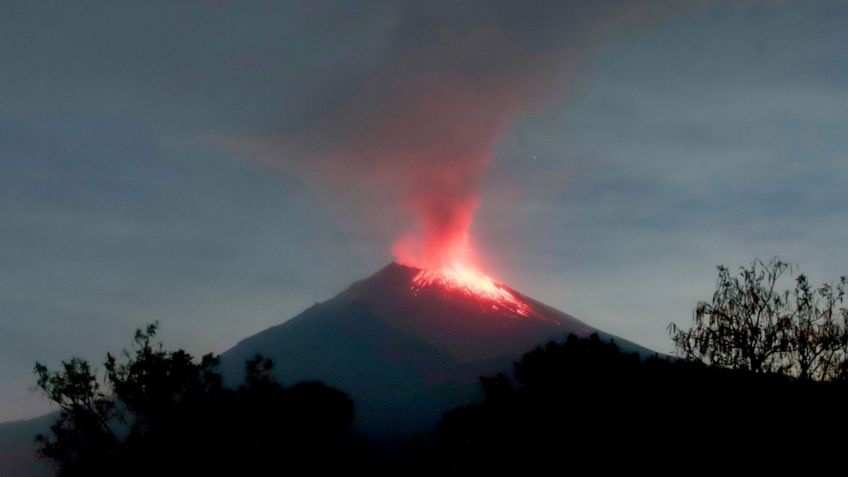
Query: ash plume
[{"x": 411, "y": 148}]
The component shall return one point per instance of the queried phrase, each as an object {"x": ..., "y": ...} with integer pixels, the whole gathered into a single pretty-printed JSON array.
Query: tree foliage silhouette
[
  {"x": 584, "y": 407},
  {"x": 159, "y": 412},
  {"x": 751, "y": 325}
]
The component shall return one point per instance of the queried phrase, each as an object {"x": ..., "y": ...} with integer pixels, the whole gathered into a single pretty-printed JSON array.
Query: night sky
[{"x": 201, "y": 163}]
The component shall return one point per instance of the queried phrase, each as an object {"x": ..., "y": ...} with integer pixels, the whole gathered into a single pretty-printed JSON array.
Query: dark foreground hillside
[{"x": 584, "y": 406}]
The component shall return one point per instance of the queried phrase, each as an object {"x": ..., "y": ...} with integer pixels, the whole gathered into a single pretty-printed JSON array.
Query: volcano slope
[{"x": 406, "y": 348}]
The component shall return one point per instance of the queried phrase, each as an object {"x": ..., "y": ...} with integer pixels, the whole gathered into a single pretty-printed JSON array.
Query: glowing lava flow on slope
[
  {"x": 442, "y": 247},
  {"x": 471, "y": 282}
]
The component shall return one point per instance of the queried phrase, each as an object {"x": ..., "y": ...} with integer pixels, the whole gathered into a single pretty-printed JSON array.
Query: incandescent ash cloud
[
  {"x": 441, "y": 111},
  {"x": 417, "y": 138},
  {"x": 421, "y": 133}
]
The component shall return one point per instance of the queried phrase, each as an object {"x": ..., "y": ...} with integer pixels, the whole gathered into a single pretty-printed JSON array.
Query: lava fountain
[{"x": 447, "y": 260}]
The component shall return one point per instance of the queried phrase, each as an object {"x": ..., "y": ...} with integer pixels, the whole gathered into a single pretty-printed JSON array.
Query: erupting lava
[
  {"x": 444, "y": 253},
  {"x": 471, "y": 282}
]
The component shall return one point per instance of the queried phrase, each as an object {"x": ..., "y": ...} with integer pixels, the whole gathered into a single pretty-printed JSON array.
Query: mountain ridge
[{"x": 405, "y": 354}]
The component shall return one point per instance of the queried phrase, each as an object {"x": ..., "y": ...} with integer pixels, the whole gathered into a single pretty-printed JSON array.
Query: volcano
[{"x": 408, "y": 344}]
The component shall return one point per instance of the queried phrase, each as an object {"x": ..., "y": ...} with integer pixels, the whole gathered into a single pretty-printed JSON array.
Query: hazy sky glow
[{"x": 145, "y": 172}]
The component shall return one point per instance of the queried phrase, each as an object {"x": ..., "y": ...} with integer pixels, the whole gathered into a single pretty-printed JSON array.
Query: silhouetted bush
[
  {"x": 164, "y": 413},
  {"x": 584, "y": 407}
]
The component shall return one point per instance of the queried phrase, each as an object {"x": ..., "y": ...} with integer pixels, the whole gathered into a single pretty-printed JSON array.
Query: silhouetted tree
[
  {"x": 752, "y": 325},
  {"x": 158, "y": 412},
  {"x": 817, "y": 340}
]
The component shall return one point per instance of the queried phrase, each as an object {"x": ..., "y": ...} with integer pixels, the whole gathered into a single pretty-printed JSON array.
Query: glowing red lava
[
  {"x": 443, "y": 252},
  {"x": 471, "y": 282}
]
